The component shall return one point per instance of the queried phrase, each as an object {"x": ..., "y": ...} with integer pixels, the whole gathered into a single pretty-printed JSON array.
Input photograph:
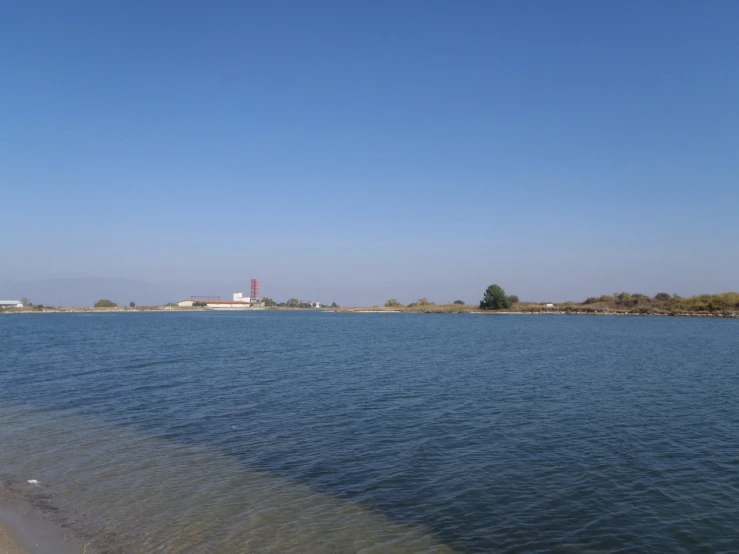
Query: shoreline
[
  {"x": 441, "y": 310},
  {"x": 9, "y": 543},
  {"x": 25, "y": 530},
  {"x": 429, "y": 310},
  {"x": 149, "y": 310}
]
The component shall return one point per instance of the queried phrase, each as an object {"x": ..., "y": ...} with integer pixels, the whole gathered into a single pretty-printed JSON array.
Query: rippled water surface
[{"x": 323, "y": 432}]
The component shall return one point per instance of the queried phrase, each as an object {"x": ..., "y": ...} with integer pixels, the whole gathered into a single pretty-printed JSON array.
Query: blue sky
[{"x": 354, "y": 151}]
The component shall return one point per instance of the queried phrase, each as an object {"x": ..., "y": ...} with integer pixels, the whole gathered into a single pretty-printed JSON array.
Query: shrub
[
  {"x": 625, "y": 299},
  {"x": 460, "y": 302},
  {"x": 662, "y": 296},
  {"x": 392, "y": 303},
  {"x": 105, "y": 303},
  {"x": 514, "y": 299},
  {"x": 495, "y": 299},
  {"x": 641, "y": 299}
]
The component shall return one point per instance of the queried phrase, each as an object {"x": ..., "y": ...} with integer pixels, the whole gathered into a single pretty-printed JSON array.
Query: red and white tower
[{"x": 254, "y": 296}]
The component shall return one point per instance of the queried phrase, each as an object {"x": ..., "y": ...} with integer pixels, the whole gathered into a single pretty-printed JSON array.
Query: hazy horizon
[{"x": 352, "y": 153}]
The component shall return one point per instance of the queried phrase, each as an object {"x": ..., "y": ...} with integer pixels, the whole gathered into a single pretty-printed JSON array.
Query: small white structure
[
  {"x": 549, "y": 306},
  {"x": 239, "y": 297},
  {"x": 315, "y": 304},
  {"x": 11, "y": 304},
  {"x": 185, "y": 304}
]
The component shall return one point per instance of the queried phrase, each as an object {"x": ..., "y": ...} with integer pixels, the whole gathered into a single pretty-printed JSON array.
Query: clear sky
[{"x": 354, "y": 151}]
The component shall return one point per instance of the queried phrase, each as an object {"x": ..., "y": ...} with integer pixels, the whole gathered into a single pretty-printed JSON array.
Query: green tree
[
  {"x": 334, "y": 305},
  {"x": 293, "y": 303},
  {"x": 495, "y": 298},
  {"x": 25, "y": 301},
  {"x": 662, "y": 296},
  {"x": 460, "y": 302},
  {"x": 105, "y": 303},
  {"x": 268, "y": 302},
  {"x": 132, "y": 304},
  {"x": 392, "y": 303}
]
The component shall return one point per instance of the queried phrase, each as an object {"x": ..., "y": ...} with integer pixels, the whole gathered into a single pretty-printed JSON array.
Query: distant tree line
[
  {"x": 728, "y": 301},
  {"x": 494, "y": 298},
  {"x": 292, "y": 303},
  {"x": 394, "y": 303}
]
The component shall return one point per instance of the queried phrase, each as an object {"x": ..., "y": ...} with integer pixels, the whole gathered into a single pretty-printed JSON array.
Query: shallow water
[{"x": 323, "y": 432}]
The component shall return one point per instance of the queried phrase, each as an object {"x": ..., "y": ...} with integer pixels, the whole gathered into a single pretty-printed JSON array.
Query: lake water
[{"x": 323, "y": 432}]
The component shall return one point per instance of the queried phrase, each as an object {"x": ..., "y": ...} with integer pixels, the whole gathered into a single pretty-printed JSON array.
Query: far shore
[
  {"x": 724, "y": 305},
  {"x": 476, "y": 311},
  {"x": 430, "y": 309},
  {"x": 144, "y": 309}
]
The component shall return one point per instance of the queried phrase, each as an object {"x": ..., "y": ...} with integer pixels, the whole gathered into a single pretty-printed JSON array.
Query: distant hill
[{"x": 88, "y": 290}]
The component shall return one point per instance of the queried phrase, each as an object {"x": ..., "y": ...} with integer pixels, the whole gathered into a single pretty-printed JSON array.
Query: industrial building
[
  {"x": 11, "y": 304},
  {"x": 239, "y": 301}
]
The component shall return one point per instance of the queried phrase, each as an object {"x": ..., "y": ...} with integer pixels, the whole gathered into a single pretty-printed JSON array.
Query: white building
[
  {"x": 239, "y": 297},
  {"x": 238, "y": 302},
  {"x": 11, "y": 304}
]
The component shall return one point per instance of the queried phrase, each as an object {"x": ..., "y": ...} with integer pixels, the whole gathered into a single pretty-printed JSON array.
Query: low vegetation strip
[
  {"x": 662, "y": 304},
  {"x": 494, "y": 300}
]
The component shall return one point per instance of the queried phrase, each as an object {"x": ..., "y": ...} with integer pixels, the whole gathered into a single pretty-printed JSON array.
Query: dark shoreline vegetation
[{"x": 496, "y": 301}]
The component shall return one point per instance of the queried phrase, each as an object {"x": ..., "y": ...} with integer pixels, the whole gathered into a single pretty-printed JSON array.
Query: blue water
[{"x": 474, "y": 433}]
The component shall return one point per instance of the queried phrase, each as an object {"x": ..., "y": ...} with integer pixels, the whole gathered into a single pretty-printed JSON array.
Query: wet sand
[
  {"x": 8, "y": 542},
  {"x": 23, "y": 531}
]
